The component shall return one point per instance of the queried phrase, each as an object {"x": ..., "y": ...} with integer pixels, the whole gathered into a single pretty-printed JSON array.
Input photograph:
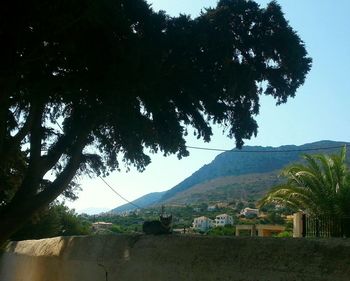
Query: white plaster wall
[{"x": 167, "y": 258}]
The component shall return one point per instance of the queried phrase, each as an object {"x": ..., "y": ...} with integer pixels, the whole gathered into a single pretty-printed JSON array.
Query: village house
[
  {"x": 202, "y": 223},
  {"x": 247, "y": 212},
  {"x": 223, "y": 219}
]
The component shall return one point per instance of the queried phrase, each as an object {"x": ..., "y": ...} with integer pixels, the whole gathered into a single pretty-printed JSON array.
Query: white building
[
  {"x": 250, "y": 212},
  {"x": 223, "y": 219},
  {"x": 202, "y": 223}
]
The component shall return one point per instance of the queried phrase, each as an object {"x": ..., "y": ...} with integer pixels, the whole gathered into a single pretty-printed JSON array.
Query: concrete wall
[{"x": 167, "y": 258}]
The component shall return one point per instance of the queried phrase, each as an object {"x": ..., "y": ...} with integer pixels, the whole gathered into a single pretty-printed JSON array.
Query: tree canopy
[{"x": 119, "y": 78}]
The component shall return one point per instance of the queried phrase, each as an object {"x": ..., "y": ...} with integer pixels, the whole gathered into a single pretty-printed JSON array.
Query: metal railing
[{"x": 325, "y": 226}]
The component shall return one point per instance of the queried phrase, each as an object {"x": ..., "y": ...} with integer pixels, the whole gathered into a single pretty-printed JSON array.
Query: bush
[
  {"x": 285, "y": 234},
  {"x": 227, "y": 230},
  {"x": 117, "y": 229}
]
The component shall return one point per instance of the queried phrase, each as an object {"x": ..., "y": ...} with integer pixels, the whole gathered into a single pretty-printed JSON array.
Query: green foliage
[
  {"x": 58, "y": 220},
  {"x": 227, "y": 230},
  {"x": 45, "y": 225},
  {"x": 285, "y": 234},
  {"x": 274, "y": 218},
  {"x": 182, "y": 217},
  {"x": 239, "y": 206},
  {"x": 71, "y": 223},
  {"x": 319, "y": 187},
  {"x": 122, "y": 224},
  {"x": 117, "y": 229},
  {"x": 11, "y": 174}
]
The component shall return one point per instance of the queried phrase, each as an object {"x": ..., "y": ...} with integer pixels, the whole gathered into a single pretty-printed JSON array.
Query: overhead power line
[
  {"x": 236, "y": 151},
  {"x": 122, "y": 197},
  {"x": 224, "y": 150},
  {"x": 110, "y": 187},
  {"x": 264, "y": 151}
]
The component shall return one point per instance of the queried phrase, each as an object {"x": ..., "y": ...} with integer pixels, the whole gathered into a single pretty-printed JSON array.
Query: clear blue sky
[{"x": 320, "y": 110}]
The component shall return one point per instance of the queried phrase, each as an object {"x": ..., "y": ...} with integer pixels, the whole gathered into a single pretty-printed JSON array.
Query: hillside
[
  {"x": 226, "y": 189},
  {"x": 238, "y": 173},
  {"x": 144, "y": 201},
  {"x": 241, "y": 162}
]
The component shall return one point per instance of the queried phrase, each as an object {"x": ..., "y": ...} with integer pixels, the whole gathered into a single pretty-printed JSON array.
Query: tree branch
[
  {"x": 56, "y": 151},
  {"x": 14, "y": 142},
  {"x": 33, "y": 174},
  {"x": 65, "y": 177},
  {"x": 72, "y": 134},
  {"x": 24, "y": 131},
  {"x": 24, "y": 205}
]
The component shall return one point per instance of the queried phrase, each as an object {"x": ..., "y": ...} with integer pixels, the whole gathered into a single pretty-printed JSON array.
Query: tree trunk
[
  {"x": 22, "y": 208},
  {"x": 25, "y": 205},
  {"x": 13, "y": 218}
]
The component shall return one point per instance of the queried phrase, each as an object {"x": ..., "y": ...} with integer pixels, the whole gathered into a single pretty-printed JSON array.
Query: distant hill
[
  {"x": 226, "y": 189},
  {"x": 242, "y": 162},
  {"x": 144, "y": 201},
  {"x": 248, "y": 172}
]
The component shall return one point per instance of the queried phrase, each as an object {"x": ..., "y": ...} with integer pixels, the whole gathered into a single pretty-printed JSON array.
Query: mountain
[
  {"x": 144, "y": 201},
  {"x": 241, "y": 162},
  {"x": 226, "y": 189},
  {"x": 234, "y": 174}
]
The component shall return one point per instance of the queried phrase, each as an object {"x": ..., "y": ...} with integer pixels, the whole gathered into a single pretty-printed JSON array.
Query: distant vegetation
[
  {"x": 57, "y": 220},
  {"x": 222, "y": 231},
  {"x": 183, "y": 217}
]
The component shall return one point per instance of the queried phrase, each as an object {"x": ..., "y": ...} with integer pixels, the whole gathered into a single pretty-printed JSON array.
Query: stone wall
[{"x": 167, "y": 258}]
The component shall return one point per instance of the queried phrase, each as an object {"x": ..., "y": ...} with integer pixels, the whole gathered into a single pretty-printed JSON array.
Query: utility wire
[
  {"x": 223, "y": 150},
  {"x": 116, "y": 192}
]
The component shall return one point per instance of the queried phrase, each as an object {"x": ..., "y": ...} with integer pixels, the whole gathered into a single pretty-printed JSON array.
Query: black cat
[{"x": 163, "y": 226}]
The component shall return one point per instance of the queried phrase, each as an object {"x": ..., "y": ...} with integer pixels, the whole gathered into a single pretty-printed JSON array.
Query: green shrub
[{"x": 285, "y": 234}]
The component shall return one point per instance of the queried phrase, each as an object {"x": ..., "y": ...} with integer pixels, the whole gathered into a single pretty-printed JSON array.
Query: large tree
[{"x": 119, "y": 78}]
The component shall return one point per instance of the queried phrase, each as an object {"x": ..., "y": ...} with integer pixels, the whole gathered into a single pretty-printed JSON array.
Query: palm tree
[{"x": 319, "y": 187}]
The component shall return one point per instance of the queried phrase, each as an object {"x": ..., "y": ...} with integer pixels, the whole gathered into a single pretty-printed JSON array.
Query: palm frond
[{"x": 321, "y": 186}]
